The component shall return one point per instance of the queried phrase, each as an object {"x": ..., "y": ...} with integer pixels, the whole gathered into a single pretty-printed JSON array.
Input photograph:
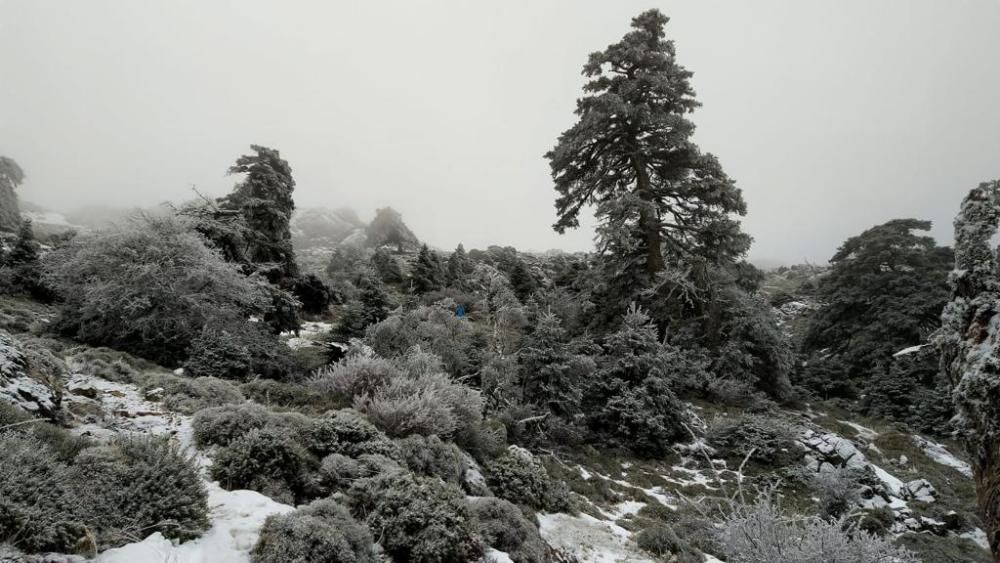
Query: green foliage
[
  {"x": 298, "y": 396},
  {"x": 239, "y": 351},
  {"x": 345, "y": 432},
  {"x": 321, "y": 532},
  {"x": 911, "y": 390},
  {"x": 337, "y": 472},
  {"x": 459, "y": 267},
  {"x": 768, "y": 441},
  {"x": 505, "y": 528},
  {"x": 386, "y": 266},
  {"x": 519, "y": 477},
  {"x": 556, "y": 370},
  {"x": 424, "y": 404},
  {"x": 190, "y": 395},
  {"x": 419, "y": 519},
  {"x": 431, "y": 457},
  {"x": 268, "y": 460},
  {"x": 224, "y": 424},
  {"x": 428, "y": 272},
  {"x": 139, "y": 485}
]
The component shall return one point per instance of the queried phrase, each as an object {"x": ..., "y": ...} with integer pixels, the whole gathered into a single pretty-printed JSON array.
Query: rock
[
  {"x": 903, "y": 460},
  {"x": 920, "y": 489},
  {"x": 472, "y": 480},
  {"x": 155, "y": 394},
  {"x": 955, "y": 521},
  {"x": 933, "y": 526},
  {"x": 83, "y": 390}
]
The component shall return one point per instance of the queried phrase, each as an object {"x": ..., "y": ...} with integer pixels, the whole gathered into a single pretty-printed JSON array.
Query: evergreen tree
[
  {"x": 264, "y": 199},
  {"x": 11, "y": 177},
  {"x": 459, "y": 267},
  {"x": 427, "y": 271},
  {"x": 25, "y": 250},
  {"x": 659, "y": 200},
  {"x": 386, "y": 265},
  {"x": 555, "y": 369}
]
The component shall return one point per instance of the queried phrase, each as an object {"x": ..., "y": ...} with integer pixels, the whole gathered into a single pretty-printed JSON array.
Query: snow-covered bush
[
  {"x": 426, "y": 404},
  {"x": 148, "y": 288},
  {"x": 459, "y": 343},
  {"x": 519, "y": 477},
  {"x": 338, "y": 472},
  {"x": 39, "y": 510},
  {"x": 838, "y": 491},
  {"x": 661, "y": 540},
  {"x": 346, "y": 432},
  {"x": 431, "y": 457},
  {"x": 355, "y": 375},
  {"x": 767, "y": 440},
  {"x": 221, "y": 425},
  {"x": 645, "y": 418},
  {"x": 762, "y": 533},
  {"x": 239, "y": 351},
  {"x": 321, "y": 532},
  {"x": 189, "y": 395},
  {"x": 105, "y": 363},
  {"x": 290, "y": 395},
  {"x": 419, "y": 519},
  {"x": 268, "y": 460},
  {"x": 135, "y": 486},
  {"x": 504, "y": 527}
]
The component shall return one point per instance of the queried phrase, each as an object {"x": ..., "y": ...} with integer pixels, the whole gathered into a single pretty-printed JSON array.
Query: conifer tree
[
  {"x": 556, "y": 369},
  {"x": 659, "y": 200},
  {"x": 459, "y": 266},
  {"x": 427, "y": 271},
  {"x": 11, "y": 177}
]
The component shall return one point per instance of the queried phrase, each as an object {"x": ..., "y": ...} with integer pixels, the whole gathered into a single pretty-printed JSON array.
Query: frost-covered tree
[
  {"x": 660, "y": 202},
  {"x": 556, "y": 370},
  {"x": 459, "y": 267},
  {"x": 11, "y": 177},
  {"x": 428, "y": 272},
  {"x": 386, "y": 265},
  {"x": 969, "y": 341}
]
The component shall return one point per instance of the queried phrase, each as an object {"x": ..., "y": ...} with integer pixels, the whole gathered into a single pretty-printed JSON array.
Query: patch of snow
[
  {"x": 584, "y": 473},
  {"x": 496, "y": 556},
  {"x": 910, "y": 350},
  {"x": 940, "y": 454},
  {"x": 864, "y": 432},
  {"x": 589, "y": 539},
  {"x": 979, "y": 536},
  {"x": 626, "y": 508}
]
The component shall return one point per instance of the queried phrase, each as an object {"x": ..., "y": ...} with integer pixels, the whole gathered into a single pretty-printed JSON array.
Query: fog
[{"x": 831, "y": 116}]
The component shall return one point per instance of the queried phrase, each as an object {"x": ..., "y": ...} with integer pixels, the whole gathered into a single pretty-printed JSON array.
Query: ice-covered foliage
[
  {"x": 189, "y": 395},
  {"x": 424, "y": 404},
  {"x": 345, "y": 432},
  {"x": 418, "y": 519},
  {"x": 767, "y": 440},
  {"x": 221, "y": 425},
  {"x": 321, "y": 532},
  {"x": 355, "y": 375},
  {"x": 458, "y": 342},
  {"x": 661, "y": 540},
  {"x": 268, "y": 460},
  {"x": 504, "y": 527},
  {"x": 518, "y": 476},
  {"x": 239, "y": 351},
  {"x": 431, "y": 457}
]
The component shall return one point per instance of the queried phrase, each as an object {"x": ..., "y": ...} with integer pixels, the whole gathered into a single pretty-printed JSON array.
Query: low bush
[
  {"x": 877, "y": 521},
  {"x": 268, "y": 460},
  {"x": 135, "y": 486},
  {"x": 290, "y": 395},
  {"x": 106, "y": 363},
  {"x": 221, "y": 425},
  {"x": 519, "y": 477},
  {"x": 338, "y": 472},
  {"x": 766, "y": 440},
  {"x": 837, "y": 490},
  {"x": 662, "y": 541},
  {"x": 432, "y": 457},
  {"x": 426, "y": 404},
  {"x": 355, "y": 375},
  {"x": 321, "y": 532},
  {"x": 189, "y": 395},
  {"x": 504, "y": 527},
  {"x": 346, "y": 432},
  {"x": 419, "y": 519},
  {"x": 240, "y": 351}
]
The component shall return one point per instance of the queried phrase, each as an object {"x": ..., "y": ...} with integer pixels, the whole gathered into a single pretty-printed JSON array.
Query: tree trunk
[
  {"x": 986, "y": 472},
  {"x": 649, "y": 223}
]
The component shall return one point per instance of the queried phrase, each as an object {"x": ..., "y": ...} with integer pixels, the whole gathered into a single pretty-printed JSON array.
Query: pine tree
[
  {"x": 555, "y": 369},
  {"x": 659, "y": 199},
  {"x": 386, "y": 265},
  {"x": 969, "y": 341},
  {"x": 459, "y": 267},
  {"x": 25, "y": 250},
  {"x": 11, "y": 177},
  {"x": 264, "y": 198},
  {"x": 427, "y": 271}
]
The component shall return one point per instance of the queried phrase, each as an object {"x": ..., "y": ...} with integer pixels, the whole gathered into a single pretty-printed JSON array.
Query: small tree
[
  {"x": 11, "y": 177},
  {"x": 427, "y": 271},
  {"x": 459, "y": 267}
]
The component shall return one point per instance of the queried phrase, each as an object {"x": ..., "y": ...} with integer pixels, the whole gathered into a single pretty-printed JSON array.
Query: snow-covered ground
[{"x": 940, "y": 454}]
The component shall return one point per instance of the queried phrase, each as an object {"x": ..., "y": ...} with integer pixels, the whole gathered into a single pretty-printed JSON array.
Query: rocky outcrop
[{"x": 20, "y": 387}]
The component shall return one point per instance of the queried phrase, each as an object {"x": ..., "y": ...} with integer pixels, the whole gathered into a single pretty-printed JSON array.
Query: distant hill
[{"x": 323, "y": 228}]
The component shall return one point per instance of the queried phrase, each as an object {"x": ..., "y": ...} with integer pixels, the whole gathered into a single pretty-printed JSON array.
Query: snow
[
  {"x": 496, "y": 556},
  {"x": 940, "y": 454},
  {"x": 979, "y": 536},
  {"x": 910, "y": 350},
  {"x": 237, "y": 517},
  {"x": 864, "y": 432},
  {"x": 46, "y": 218},
  {"x": 589, "y": 539}
]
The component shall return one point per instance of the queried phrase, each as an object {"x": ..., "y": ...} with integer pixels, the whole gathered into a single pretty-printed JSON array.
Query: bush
[
  {"x": 771, "y": 441},
  {"x": 39, "y": 511},
  {"x": 519, "y": 477},
  {"x": 662, "y": 541},
  {"x": 877, "y": 521},
  {"x": 105, "y": 363},
  {"x": 322, "y": 532},
  {"x": 504, "y": 527},
  {"x": 338, "y": 472},
  {"x": 290, "y": 395},
  {"x": 419, "y": 519},
  {"x": 346, "y": 432},
  {"x": 426, "y": 404},
  {"x": 222, "y": 425},
  {"x": 432, "y": 457},
  {"x": 148, "y": 288},
  {"x": 355, "y": 375},
  {"x": 189, "y": 395},
  {"x": 838, "y": 492},
  {"x": 267, "y": 460},
  {"x": 240, "y": 351},
  {"x": 139, "y": 485},
  {"x": 647, "y": 418}
]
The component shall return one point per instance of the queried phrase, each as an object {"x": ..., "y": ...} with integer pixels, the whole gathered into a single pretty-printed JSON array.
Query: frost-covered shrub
[
  {"x": 426, "y": 404},
  {"x": 105, "y": 363},
  {"x": 435, "y": 329},
  {"x": 431, "y": 457},
  {"x": 239, "y": 351},
  {"x": 645, "y": 418},
  {"x": 504, "y": 527},
  {"x": 419, "y": 519},
  {"x": 338, "y": 472},
  {"x": 662, "y": 541},
  {"x": 519, "y": 477},
  {"x": 877, "y": 521},
  {"x": 771, "y": 440},
  {"x": 59, "y": 441},
  {"x": 345, "y": 432},
  {"x": 189, "y": 395},
  {"x": 290, "y": 395},
  {"x": 138, "y": 485},
  {"x": 762, "y": 533},
  {"x": 268, "y": 460},
  {"x": 148, "y": 288},
  {"x": 321, "y": 532},
  {"x": 221, "y": 425},
  {"x": 39, "y": 511},
  {"x": 838, "y": 491},
  {"x": 355, "y": 375}
]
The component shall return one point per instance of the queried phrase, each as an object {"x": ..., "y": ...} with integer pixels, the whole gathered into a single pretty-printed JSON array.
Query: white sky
[{"x": 831, "y": 115}]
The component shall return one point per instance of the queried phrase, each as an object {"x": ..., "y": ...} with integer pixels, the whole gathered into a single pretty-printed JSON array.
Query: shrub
[
  {"x": 762, "y": 533},
  {"x": 239, "y": 351},
  {"x": 432, "y": 457},
  {"x": 519, "y": 477},
  {"x": 189, "y": 395},
  {"x": 647, "y": 418},
  {"x": 504, "y": 527},
  {"x": 771, "y": 441},
  {"x": 419, "y": 519},
  {"x": 289, "y": 395},
  {"x": 322, "y": 532},
  {"x": 221, "y": 425},
  {"x": 346, "y": 432},
  {"x": 267, "y": 460},
  {"x": 139, "y": 485},
  {"x": 662, "y": 541},
  {"x": 105, "y": 363},
  {"x": 877, "y": 521},
  {"x": 838, "y": 492},
  {"x": 338, "y": 472},
  {"x": 148, "y": 288},
  {"x": 39, "y": 511},
  {"x": 426, "y": 404},
  {"x": 355, "y": 375}
]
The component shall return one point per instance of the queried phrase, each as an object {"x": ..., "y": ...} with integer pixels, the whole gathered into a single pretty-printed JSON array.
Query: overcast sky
[{"x": 832, "y": 116}]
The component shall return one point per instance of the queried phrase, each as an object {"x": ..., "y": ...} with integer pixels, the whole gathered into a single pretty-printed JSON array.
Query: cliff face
[{"x": 10, "y": 177}]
